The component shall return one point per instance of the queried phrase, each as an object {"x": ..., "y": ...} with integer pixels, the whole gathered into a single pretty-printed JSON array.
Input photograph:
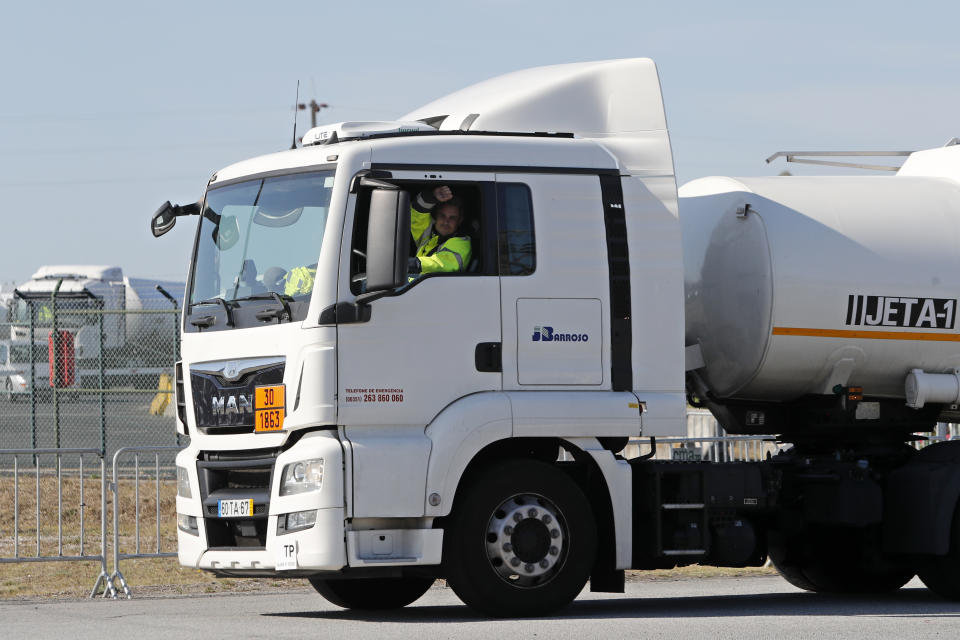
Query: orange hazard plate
[{"x": 269, "y": 404}]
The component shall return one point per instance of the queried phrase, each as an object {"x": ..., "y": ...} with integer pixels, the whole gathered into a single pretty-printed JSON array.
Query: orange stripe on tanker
[{"x": 866, "y": 334}]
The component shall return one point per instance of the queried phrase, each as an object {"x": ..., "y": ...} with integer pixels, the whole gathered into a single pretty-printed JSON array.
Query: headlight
[
  {"x": 183, "y": 483},
  {"x": 301, "y": 477}
]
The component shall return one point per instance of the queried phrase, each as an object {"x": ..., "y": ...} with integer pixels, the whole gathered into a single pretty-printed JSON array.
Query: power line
[
  {"x": 114, "y": 115},
  {"x": 217, "y": 111},
  {"x": 200, "y": 179},
  {"x": 139, "y": 148}
]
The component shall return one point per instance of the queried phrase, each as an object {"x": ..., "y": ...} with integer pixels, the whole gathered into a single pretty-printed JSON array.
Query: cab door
[
  {"x": 437, "y": 339},
  {"x": 554, "y": 289}
]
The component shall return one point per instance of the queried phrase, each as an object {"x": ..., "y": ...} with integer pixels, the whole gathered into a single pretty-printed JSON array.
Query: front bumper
[{"x": 318, "y": 548}]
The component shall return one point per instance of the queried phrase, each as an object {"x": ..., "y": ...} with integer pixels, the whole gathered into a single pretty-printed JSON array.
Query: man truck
[{"x": 373, "y": 431}]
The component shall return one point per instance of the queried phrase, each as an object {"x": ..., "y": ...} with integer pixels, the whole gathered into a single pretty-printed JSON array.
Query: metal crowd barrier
[
  {"x": 35, "y": 457},
  {"x": 707, "y": 448},
  {"x": 117, "y": 578}
]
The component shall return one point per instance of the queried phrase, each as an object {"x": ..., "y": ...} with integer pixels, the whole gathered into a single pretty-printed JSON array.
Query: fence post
[
  {"x": 53, "y": 362},
  {"x": 102, "y": 391},
  {"x": 109, "y": 591},
  {"x": 115, "y": 490},
  {"x": 16, "y": 506},
  {"x": 176, "y": 346},
  {"x": 31, "y": 325}
]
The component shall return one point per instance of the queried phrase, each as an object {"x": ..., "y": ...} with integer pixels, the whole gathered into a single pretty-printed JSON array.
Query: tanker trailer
[
  {"x": 824, "y": 309},
  {"x": 121, "y": 327}
]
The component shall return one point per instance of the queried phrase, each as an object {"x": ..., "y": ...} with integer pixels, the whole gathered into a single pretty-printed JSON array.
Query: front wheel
[
  {"x": 372, "y": 593},
  {"x": 521, "y": 542}
]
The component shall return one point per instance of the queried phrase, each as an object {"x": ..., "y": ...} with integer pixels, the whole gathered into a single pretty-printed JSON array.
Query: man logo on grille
[{"x": 231, "y": 405}]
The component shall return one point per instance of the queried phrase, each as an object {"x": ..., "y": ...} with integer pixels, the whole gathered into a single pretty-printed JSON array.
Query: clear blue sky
[{"x": 110, "y": 108}]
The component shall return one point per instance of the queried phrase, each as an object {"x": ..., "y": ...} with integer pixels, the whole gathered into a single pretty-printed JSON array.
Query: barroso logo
[
  {"x": 542, "y": 334},
  {"x": 547, "y": 334}
]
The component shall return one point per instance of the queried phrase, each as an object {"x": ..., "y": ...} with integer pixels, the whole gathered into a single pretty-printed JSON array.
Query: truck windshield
[{"x": 261, "y": 237}]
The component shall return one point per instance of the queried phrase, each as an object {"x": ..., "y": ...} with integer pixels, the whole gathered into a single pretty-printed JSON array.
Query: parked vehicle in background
[
  {"x": 88, "y": 321},
  {"x": 16, "y": 361}
]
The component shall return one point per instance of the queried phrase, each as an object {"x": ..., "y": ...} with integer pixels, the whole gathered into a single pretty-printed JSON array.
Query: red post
[{"x": 63, "y": 365}]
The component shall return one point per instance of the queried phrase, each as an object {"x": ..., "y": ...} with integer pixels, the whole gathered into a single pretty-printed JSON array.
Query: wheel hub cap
[{"x": 526, "y": 540}]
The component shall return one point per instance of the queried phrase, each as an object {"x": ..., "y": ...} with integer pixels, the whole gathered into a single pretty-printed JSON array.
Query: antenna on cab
[{"x": 296, "y": 101}]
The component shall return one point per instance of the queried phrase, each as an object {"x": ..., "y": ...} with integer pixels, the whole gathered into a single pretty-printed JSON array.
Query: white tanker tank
[{"x": 795, "y": 285}]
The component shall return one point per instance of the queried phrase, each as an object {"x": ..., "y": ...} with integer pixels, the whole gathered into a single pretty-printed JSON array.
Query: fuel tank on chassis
[{"x": 794, "y": 285}]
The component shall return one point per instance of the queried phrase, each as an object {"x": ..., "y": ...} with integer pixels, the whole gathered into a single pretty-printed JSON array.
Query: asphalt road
[
  {"x": 126, "y": 421},
  {"x": 756, "y": 607}
]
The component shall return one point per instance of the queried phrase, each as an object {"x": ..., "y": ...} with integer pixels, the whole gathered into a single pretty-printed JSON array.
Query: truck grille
[
  {"x": 236, "y": 475},
  {"x": 226, "y": 406}
]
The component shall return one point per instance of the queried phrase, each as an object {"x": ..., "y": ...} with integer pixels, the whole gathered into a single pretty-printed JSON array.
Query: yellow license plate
[{"x": 269, "y": 404}]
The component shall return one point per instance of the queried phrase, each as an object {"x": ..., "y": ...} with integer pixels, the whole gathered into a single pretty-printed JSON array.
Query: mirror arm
[
  {"x": 366, "y": 298},
  {"x": 345, "y": 313},
  {"x": 363, "y": 178}
]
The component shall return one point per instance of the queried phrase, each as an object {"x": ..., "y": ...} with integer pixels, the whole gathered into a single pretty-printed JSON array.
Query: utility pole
[{"x": 314, "y": 107}]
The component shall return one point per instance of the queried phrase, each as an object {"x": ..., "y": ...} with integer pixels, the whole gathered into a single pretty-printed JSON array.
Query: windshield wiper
[
  {"x": 207, "y": 321},
  {"x": 282, "y": 313}
]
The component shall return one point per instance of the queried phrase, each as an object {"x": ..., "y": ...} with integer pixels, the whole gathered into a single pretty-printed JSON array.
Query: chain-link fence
[{"x": 78, "y": 370}]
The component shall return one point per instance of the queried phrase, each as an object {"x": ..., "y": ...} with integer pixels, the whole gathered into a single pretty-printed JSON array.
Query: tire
[
  {"x": 788, "y": 570},
  {"x": 824, "y": 560},
  {"x": 8, "y": 390},
  {"x": 372, "y": 593},
  {"x": 521, "y": 541},
  {"x": 942, "y": 574}
]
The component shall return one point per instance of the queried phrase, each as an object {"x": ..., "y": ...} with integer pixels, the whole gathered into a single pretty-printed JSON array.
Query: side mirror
[
  {"x": 166, "y": 216},
  {"x": 388, "y": 238}
]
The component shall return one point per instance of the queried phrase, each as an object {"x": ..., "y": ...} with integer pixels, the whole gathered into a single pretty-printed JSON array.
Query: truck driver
[{"x": 435, "y": 219}]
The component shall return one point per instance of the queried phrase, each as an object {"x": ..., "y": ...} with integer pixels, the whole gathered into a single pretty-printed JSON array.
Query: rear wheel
[
  {"x": 372, "y": 593},
  {"x": 788, "y": 569},
  {"x": 521, "y": 542},
  {"x": 942, "y": 574},
  {"x": 831, "y": 560},
  {"x": 8, "y": 390}
]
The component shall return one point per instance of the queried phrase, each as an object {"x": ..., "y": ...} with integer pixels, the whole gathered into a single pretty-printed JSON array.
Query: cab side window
[
  {"x": 477, "y": 202},
  {"x": 518, "y": 249}
]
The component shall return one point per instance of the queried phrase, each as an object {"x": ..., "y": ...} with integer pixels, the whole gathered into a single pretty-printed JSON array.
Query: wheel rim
[{"x": 527, "y": 540}]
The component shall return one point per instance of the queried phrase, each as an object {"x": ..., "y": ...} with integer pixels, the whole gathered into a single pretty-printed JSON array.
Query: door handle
[{"x": 488, "y": 358}]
